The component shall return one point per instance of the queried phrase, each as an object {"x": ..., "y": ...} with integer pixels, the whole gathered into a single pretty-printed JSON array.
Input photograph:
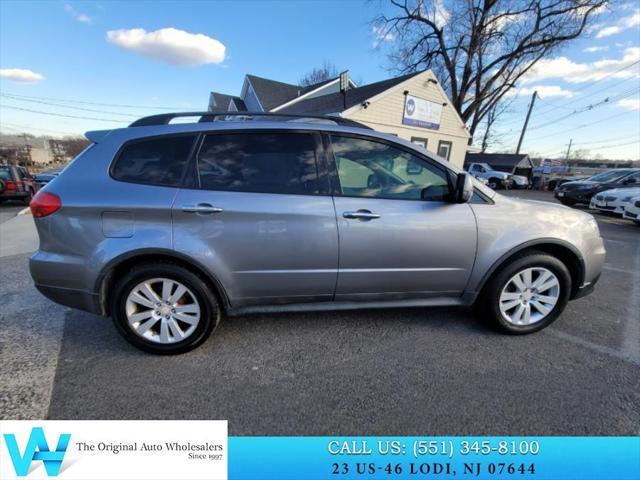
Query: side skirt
[{"x": 344, "y": 305}]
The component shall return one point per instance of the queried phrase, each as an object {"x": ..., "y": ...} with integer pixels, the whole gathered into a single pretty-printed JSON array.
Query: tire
[
  {"x": 502, "y": 283},
  {"x": 567, "y": 202},
  {"x": 27, "y": 199},
  {"x": 494, "y": 183},
  {"x": 160, "y": 336}
]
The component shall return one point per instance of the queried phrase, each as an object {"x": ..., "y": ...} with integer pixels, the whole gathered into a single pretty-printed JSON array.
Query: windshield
[{"x": 609, "y": 176}]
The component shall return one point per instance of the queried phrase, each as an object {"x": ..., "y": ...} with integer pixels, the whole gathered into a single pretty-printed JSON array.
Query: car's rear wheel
[
  {"x": 164, "y": 308},
  {"x": 494, "y": 183},
  {"x": 527, "y": 294}
]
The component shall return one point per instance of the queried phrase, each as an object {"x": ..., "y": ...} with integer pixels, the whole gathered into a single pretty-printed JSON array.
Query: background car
[
  {"x": 613, "y": 200},
  {"x": 520, "y": 181},
  {"x": 581, "y": 191},
  {"x": 43, "y": 178},
  {"x": 16, "y": 183},
  {"x": 632, "y": 210},
  {"x": 556, "y": 182},
  {"x": 495, "y": 179}
]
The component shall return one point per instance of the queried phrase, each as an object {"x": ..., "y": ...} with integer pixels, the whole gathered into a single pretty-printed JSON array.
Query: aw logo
[{"x": 37, "y": 449}]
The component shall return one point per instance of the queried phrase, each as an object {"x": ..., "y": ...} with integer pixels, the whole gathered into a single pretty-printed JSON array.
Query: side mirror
[
  {"x": 628, "y": 181},
  {"x": 464, "y": 188}
]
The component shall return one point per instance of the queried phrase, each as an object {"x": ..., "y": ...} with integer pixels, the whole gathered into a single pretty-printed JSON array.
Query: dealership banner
[
  {"x": 419, "y": 112},
  {"x": 194, "y": 450},
  {"x": 114, "y": 450}
]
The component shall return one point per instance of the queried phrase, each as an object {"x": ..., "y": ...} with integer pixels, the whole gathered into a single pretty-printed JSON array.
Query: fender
[
  {"x": 101, "y": 284},
  {"x": 524, "y": 246}
]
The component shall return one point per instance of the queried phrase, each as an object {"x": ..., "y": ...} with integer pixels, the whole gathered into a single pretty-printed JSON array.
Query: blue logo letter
[{"x": 37, "y": 449}]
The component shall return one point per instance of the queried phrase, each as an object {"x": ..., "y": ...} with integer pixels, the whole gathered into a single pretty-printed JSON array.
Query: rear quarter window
[{"x": 154, "y": 161}]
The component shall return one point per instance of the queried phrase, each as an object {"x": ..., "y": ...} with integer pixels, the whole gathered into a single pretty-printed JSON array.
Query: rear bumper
[{"x": 89, "y": 302}]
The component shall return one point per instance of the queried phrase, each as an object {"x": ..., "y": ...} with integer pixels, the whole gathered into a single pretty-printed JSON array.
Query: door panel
[
  {"x": 259, "y": 222},
  {"x": 263, "y": 248},
  {"x": 414, "y": 249},
  {"x": 400, "y": 237}
]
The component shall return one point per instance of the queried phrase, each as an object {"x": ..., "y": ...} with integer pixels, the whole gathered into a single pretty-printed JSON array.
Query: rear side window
[
  {"x": 259, "y": 162},
  {"x": 155, "y": 161}
]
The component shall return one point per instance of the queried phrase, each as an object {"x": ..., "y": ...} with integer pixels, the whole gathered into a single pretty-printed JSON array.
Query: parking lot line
[
  {"x": 631, "y": 332},
  {"x": 612, "y": 352}
]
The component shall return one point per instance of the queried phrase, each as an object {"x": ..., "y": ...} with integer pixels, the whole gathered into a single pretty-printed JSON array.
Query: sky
[{"x": 112, "y": 62}]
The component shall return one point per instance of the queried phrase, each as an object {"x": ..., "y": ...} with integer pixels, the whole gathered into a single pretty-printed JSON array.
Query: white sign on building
[{"x": 419, "y": 112}]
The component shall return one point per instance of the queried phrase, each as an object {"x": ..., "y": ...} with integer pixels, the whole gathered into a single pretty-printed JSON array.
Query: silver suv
[{"x": 166, "y": 226}]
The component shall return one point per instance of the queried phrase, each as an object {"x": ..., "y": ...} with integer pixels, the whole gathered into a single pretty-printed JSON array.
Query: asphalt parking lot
[{"x": 402, "y": 371}]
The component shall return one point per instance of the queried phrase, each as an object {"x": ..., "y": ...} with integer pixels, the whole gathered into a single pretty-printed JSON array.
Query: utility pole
[
  {"x": 568, "y": 149},
  {"x": 526, "y": 120}
]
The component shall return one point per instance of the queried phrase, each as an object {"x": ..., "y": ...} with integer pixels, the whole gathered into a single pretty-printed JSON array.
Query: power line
[
  {"x": 79, "y": 102},
  {"x": 605, "y": 140},
  {"x": 62, "y": 115},
  {"x": 592, "y": 84},
  {"x": 588, "y": 108},
  {"x": 582, "y": 126},
  {"x": 14, "y": 126},
  {"x": 11, "y": 97},
  {"x": 614, "y": 146}
]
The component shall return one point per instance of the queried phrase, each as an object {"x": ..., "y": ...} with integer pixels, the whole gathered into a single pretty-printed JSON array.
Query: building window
[
  {"x": 420, "y": 141},
  {"x": 444, "y": 149}
]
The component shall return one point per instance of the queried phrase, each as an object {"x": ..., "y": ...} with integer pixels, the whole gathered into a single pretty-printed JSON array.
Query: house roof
[
  {"x": 272, "y": 93},
  {"x": 499, "y": 159},
  {"x": 222, "y": 101},
  {"x": 334, "y": 102}
]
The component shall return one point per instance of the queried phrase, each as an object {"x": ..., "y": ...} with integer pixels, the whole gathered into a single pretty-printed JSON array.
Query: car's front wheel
[
  {"x": 164, "y": 308},
  {"x": 527, "y": 294}
]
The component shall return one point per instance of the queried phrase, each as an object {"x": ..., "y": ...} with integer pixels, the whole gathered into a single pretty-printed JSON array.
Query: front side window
[
  {"x": 271, "y": 162},
  {"x": 374, "y": 169},
  {"x": 154, "y": 161},
  {"x": 635, "y": 178}
]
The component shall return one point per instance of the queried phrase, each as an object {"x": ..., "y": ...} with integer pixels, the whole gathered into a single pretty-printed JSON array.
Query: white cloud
[
  {"x": 572, "y": 72},
  {"x": 81, "y": 17},
  {"x": 381, "y": 34},
  {"x": 21, "y": 75},
  {"x": 544, "y": 91},
  {"x": 624, "y": 24},
  {"x": 596, "y": 49},
  {"x": 441, "y": 14},
  {"x": 170, "y": 45},
  {"x": 630, "y": 103}
]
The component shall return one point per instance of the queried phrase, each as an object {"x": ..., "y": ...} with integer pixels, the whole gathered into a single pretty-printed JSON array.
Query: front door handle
[
  {"x": 204, "y": 208},
  {"x": 361, "y": 215}
]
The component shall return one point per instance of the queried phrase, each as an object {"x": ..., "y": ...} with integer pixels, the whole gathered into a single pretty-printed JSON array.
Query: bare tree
[
  {"x": 320, "y": 74},
  {"x": 491, "y": 139},
  {"x": 479, "y": 49}
]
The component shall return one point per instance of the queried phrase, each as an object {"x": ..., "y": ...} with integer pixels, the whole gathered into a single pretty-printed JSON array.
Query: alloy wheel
[
  {"x": 529, "y": 296},
  {"x": 162, "y": 310}
]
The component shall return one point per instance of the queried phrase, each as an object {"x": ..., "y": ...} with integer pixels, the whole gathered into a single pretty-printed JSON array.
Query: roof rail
[{"x": 165, "y": 118}]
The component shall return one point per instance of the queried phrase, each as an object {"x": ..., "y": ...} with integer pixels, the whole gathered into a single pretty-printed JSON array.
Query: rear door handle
[
  {"x": 205, "y": 208},
  {"x": 361, "y": 215}
]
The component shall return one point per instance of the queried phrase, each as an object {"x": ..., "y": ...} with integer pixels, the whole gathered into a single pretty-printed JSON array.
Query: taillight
[
  {"x": 44, "y": 204},
  {"x": 9, "y": 185}
]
